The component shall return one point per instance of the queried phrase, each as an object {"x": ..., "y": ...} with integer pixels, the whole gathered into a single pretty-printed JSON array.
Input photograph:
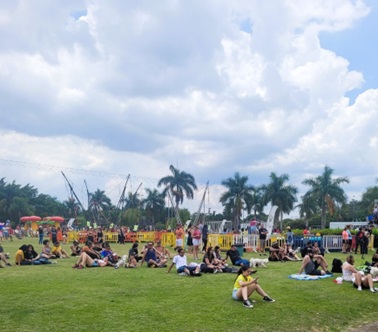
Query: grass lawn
[{"x": 57, "y": 297}]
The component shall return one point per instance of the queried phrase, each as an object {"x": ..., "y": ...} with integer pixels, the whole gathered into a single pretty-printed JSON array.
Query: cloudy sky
[{"x": 103, "y": 89}]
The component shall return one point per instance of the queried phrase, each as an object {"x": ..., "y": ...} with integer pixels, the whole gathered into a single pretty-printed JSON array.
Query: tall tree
[
  {"x": 308, "y": 208},
  {"x": 154, "y": 203},
  {"x": 237, "y": 197},
  {"x": 179, "y": 184},
  {"x": 256, "y": 204},
  {"x": 326, "y": 191},
  {"x": 98, "y": 202},
  {"x": 277, "y": 192}
]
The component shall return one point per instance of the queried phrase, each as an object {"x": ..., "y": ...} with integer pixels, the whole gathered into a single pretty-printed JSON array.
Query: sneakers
[
  {"x": 75, "y": 266},
  {"x": 327, "y": 272},
  {"x": 359, "y": 288},
  {"x": 268, "y": 299},
  {"x": 215, "y": 271},
  {"x": 80, "y": 267},
  {"x": 374, "y": 290},
  {"x": 9, "y": 264},
  {"x": 182, "y": 274},
  {"x": 247, "y": 304}
]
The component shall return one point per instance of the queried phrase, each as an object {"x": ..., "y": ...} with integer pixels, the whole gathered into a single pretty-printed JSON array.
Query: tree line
[{"x": 324, "y": 201}]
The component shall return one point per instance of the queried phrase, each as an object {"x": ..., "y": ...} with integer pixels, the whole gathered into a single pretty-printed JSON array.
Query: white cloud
[{"x": 213, "y": 88}]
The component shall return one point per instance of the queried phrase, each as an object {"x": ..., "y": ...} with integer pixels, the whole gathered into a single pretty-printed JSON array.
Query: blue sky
[
  {"x": 360, "y": 46},
  {"x": 101, "y": 90}
]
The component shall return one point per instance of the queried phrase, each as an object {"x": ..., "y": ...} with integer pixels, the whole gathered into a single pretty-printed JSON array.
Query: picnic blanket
[{"x": 308, "y": 277}]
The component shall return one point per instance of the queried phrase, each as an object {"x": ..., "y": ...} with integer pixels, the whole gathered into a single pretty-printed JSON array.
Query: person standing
[
  {"x": 196, "y": 241},
  {"x": 205, "y": 234},
  {"x": 179, "y": 232},
  {"x": 54, "y": 234},
  {"x": 263, "y": 232},
  {"x": 40, "y": 234},
  {"x": 189, "y": 240}
]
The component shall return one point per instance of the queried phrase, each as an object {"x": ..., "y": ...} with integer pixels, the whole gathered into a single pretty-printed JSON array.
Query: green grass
[{"x": 57, "y": 297}]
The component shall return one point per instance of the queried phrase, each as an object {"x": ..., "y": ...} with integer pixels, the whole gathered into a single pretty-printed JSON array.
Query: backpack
[{"x": 336, "y": 265}]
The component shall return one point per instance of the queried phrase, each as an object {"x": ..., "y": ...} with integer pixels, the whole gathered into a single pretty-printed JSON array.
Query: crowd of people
[{"x": 98, "y": 253}]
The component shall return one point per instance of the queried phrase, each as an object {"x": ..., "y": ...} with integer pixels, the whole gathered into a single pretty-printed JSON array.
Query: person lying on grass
[
  {"x": 245, "y": 285},
  {"x": 86, "y": 261},
  {"x": 182, "y": 264},
  {"x": 359, "y": 280},
  {"x": 310, "y": 267}
]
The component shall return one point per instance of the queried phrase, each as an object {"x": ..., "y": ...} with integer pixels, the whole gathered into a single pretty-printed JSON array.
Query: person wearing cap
[{"x": 309, "y": 267}]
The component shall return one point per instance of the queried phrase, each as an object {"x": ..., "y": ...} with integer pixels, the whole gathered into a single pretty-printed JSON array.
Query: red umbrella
[
  {"x": 30, "y": 218},
  {"x": 54, "y": 218}
]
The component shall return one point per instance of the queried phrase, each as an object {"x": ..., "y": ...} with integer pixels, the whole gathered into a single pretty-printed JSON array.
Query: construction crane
[
  {"x": 201, "y": 203},
  {"x": 121, "y": 201},
  {"x": 74, "y": 194},
  {"x": 177, "y": 215}
]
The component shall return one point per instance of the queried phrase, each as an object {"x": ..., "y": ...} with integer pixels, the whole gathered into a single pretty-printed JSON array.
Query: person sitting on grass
[
  {"x": 182, "y": 266},
  {"x": 86, "y": 261},
  {"x": 46, "y": 250},
  {"x": 109, "y": 255},
  {"x": 310, "y": 267},
  {"x": 75, "y": 249},
  {"x": 245, "y": 285},
  {"x": 3, "y": 258},
  {"x": 134, "y": 252},
  {"x": 58, "y": 251},
  {"x": 26, "y": 255},
  {"x": 152, "y": 258},
  {"x": 164, "y": 252},
  {"x": 209, "y": 260},
  {"x": 233, "y": 253},
  {"x": 359, "y": 280},
  {"x": 276, "y": 253},
  {"x": 89, "y": 250}
]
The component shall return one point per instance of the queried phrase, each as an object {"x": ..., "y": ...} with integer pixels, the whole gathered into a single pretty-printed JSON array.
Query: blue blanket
[{"x": 308, "y": 277}]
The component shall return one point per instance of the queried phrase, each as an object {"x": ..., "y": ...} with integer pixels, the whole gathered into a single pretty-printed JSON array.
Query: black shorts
[{"x": 315, "y": 273}]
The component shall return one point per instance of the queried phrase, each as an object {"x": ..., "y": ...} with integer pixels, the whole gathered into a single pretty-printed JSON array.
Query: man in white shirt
[{"x": 182, "y": 264}]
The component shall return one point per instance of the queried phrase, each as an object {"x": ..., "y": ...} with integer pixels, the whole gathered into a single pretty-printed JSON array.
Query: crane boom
[{"x": 201, "y": 203}]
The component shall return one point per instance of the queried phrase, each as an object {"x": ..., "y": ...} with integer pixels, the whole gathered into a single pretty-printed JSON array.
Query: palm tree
[
  {"x": 98, "y": 202},
  {"x": 237, "y": 197},
  {"x": 326, "y": 192},
  {"x": 256, "y": 203},
  {"x": 307, "y": 208},
  {"x": 178, "y": 184},
  {"x": 153, "y": 203},
  {"x": 277, "y": 192}
]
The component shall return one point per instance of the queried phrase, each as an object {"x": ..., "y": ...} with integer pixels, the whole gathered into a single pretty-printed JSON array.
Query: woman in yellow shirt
[{"x": 245, "y": 285}]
